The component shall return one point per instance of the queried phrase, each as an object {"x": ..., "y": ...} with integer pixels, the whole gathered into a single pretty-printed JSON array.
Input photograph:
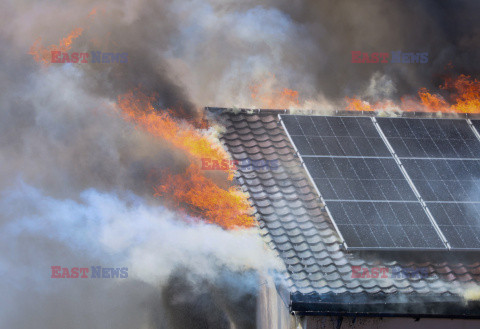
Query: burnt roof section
[{"x": 319, "y": 271}]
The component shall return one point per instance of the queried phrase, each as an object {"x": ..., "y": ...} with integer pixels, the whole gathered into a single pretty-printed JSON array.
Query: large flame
[
  {"x": 464, "y": 97},
  {"x": 44, "y": 55},
  {"x": 228, "y": 208}
]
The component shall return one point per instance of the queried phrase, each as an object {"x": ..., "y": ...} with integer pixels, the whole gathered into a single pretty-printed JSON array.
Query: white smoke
[
  {"x": 151, "y": 240},
  {"x": 109, "y": 230}
]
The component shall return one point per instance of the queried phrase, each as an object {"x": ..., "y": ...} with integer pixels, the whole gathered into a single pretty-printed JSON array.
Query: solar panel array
[
  {"x": 370, "y": 199},
  {"x": 366, "y": 193}
]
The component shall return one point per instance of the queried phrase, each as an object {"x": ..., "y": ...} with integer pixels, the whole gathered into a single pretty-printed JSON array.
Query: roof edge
[
  {"x": 236, "y": 110},
  {"x": 438, "y": 115}
]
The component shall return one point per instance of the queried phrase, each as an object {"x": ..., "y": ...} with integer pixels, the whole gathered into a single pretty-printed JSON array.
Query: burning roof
[
  {"x": 463, "y": 96},
  {"x": 321, "y": 276}
]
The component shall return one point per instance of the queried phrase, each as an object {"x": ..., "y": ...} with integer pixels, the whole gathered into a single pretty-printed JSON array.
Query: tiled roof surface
[{"x": 297, "y": 227}]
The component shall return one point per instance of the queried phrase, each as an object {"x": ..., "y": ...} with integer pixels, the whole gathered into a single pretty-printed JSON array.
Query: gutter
[{"x": 384, "y": 305}]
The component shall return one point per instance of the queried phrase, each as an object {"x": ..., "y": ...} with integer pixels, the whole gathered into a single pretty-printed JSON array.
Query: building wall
[{"x": 272, "y": 310}]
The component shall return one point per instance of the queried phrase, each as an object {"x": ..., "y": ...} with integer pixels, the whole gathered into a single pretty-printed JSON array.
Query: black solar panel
[
  {"x": 335, "y": 136},
  {"x": 445, "y": 180},
  {"x": 359, "y": 179},
  {"x": 364, "y": 189},
  {"x": 430, "y": 138},
  {"x": 384, "y": 225},
  {"x": 459, "y": 222}
]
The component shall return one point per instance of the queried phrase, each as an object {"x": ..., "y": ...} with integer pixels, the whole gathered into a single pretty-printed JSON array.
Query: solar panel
[
  {"x": 359, "y": 179},
  {"x": 430, "y": 138},
  {"x": 459, "y": 222},
  {"x": 335, "y": 136},
  {"x": 384, "y": 225},
  {"x": 442, "y": 158},
  {"x": 366, "y": 194},
  {"x": 445, "y": 180}
]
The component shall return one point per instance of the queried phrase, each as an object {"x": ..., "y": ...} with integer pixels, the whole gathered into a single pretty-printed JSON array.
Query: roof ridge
[{"x": 402, "y": 114}]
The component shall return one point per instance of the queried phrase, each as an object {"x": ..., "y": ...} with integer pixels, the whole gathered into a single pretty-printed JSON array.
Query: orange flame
[
  {"x": 44, "y": 55},
  {"x": 137, "y": 106},
  {"x": 227, "y": 208},
  {"x": 355, "y": 104},
  {"x": 464, "y": 93},
  {"x": 266, "y": 96},
  {"x": 433, "y": 102}
]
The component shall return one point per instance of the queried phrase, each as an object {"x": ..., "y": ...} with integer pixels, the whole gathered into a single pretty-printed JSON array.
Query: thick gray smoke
[
  {"x": 197, "y": 53},
  {"x": 74, "y": 176},
  {"x": 449, "y": 31}
]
